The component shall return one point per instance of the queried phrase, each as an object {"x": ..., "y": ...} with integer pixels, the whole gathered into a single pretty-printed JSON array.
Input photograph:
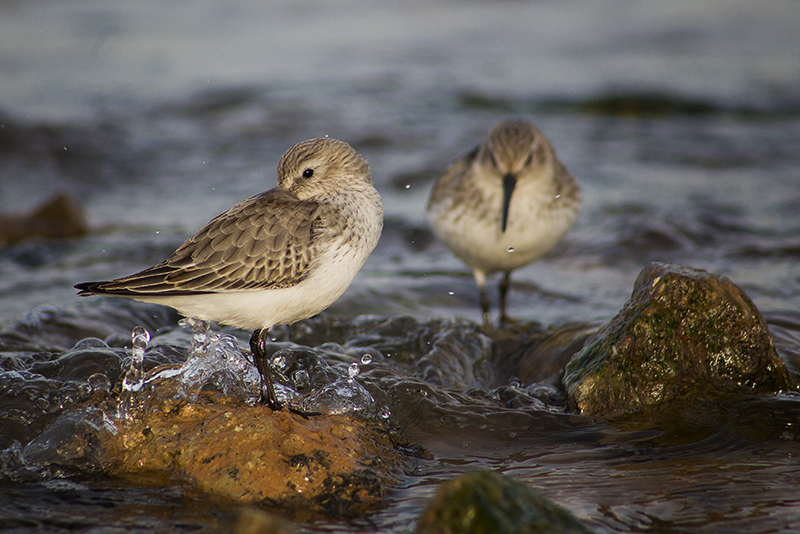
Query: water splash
[
  {"x": 304, "y": 380},
  {"x": 301, "y": 379},
  {"x": 214, "y": 360},
  {"x": 342, "y": 397},
  {"x": 133, "y": 380},
  {"x": 134, "y": 377}
]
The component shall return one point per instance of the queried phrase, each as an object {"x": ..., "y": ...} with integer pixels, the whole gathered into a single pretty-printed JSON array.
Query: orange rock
[{"x": 332, "y": 465}]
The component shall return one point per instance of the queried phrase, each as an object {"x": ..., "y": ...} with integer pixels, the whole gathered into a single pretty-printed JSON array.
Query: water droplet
[
  {"x": 99, "y": 382},
  {"x": 510, "y": 250},
  {"x": 140, "y": 337},
  {"x": 386, "y": 413},
  {"x": 353, "y": 370},
  {"x": 366, "y": 359},
  {"x": 134, "y": 376}
]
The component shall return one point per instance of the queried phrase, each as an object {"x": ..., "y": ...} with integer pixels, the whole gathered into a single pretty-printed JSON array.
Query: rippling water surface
[{"x": 681, "y": 122}]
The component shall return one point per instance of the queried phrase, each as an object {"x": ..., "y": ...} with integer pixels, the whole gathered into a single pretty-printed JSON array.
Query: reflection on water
[{"x": 682, "y": 126}]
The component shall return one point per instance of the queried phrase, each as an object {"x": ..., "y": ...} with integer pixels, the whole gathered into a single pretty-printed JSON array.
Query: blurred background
[{"x": 125, "y": 126}]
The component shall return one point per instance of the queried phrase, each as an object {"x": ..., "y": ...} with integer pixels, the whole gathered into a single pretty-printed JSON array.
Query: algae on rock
[
  {"x": 484, "y": 502},
  {"x": 685, "y": 334}
]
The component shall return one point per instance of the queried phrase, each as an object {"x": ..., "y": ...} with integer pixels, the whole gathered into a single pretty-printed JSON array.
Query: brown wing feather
[
  {"x": 267, "y": 241},
  {"x": 453, "y": 172}
]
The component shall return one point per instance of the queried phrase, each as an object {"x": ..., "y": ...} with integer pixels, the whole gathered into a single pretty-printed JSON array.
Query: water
[{"x": 161, "y": 115}]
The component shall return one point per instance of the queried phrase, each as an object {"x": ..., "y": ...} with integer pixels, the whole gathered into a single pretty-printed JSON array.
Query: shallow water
[{"x": 159, "y": 116}]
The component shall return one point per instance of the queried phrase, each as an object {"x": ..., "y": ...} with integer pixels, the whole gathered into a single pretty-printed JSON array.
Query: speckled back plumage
[{"x": 273, "y": 241}]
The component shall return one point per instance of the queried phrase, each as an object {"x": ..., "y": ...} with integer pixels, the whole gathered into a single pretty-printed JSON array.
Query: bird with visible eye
[
  {"x": 504, "y": 205},
  {"x": 275, "y": 258}
]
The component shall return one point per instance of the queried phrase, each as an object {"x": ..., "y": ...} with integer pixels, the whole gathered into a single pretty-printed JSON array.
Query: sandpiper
[
  {"x": 504, "y": 205},
  {"x": 275, "y": 258}
]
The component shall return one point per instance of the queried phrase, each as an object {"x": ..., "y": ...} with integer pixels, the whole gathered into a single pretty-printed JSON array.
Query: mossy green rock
[
  {"x": 684, "y": 335},
  {"x": 485, "y": 502}
]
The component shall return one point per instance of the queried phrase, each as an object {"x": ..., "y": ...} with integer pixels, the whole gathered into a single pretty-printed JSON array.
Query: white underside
[
  {"x": 265, "y": 308},
  {"x": 535, "y": 226}
]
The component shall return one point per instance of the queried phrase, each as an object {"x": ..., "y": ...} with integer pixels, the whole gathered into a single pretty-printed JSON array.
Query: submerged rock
[
  {"x": 684, "y": 335},
  {"x": 486, "y": 502},
  {"x": 254, "y": 521},
  {"x": 60, "y": 217}
]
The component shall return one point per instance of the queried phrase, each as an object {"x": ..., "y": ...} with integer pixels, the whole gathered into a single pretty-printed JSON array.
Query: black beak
[{"x": 509, "y": 183}]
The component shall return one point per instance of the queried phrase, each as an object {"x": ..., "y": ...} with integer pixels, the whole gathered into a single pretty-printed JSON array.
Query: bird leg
[
  {"x": 505, "y": 283},
  {"x": 480, "y": 278},
  {"x": 258, "y": 346}
]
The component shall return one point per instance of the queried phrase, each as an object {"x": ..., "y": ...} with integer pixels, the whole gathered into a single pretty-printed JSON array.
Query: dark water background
[{"x": 681, "y": 121}]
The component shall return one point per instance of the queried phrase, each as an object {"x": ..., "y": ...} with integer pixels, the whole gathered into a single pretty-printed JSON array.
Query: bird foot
[
  {"x": 271, "y": 402},
  {"x": 505, "y": 320}
]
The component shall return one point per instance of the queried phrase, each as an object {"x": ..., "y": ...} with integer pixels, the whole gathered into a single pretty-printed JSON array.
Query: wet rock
[
  {"x": 684, "y": 335},
  {"x": 333, "y": 465},
  {"x": 71, "y": 443},
  {"x": 255, "y": 521},
  {"x": 486, "y": 502},
  {"x": 60, "y": 217}
]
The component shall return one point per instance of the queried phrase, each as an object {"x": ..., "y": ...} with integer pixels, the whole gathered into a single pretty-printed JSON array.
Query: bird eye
[
  {"x": 308, "y": 173},
  {"x": 528, "y": 161}
]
